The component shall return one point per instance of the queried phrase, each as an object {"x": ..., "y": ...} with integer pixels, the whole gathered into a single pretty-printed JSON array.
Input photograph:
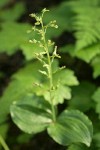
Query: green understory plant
[{"x": 38, "y": 110}]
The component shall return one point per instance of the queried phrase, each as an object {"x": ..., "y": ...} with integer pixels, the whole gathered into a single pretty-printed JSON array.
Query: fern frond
[{"x": 86, "y": 23}]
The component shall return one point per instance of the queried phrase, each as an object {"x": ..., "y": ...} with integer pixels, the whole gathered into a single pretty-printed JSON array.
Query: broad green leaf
[
  {"x": 87, "y": 54},
  {"x": 96, "y": 97},
  {"x": 22, "y": 84},
  {"x": 16, "y": 34},
  {"x": 96, "y": 66},
  {"x": 81, "y": 97},
  {"x": 65, "y": 76},
  {"x": 12, "y": 36},
  {"x": 28, "y": 117},
  {"x": 35, "y": 101},
  {"x": 12, "y": 14},
  {"x": 71, "y": 126},
  {"x": 83, "y": 147},
  {"x": 29, "y": 73},
  {"x": 26, "y": 81},
  {"x": 78, "y": 147},
  {"x": 29, "y": 50}
]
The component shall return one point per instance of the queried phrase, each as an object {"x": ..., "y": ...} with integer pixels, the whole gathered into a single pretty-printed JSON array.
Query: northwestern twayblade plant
[{"x": 38, "y": 112}]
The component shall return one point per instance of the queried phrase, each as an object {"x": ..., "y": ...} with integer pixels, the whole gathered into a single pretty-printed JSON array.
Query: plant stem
[
  {"x": 4, "y": 145},
  {"x": 49, "y": 73}
]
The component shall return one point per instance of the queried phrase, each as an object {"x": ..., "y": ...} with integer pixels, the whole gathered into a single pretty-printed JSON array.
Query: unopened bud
[{"x": 33, "y": 15}]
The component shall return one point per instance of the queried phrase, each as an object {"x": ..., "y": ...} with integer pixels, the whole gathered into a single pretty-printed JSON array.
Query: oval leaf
[
  {"x": 78, "y": 147},
  {"x": 71, "y": 126},
  {"x": 29, "y": 117}
]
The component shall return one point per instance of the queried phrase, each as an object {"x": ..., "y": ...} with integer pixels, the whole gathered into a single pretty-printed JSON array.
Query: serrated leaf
[
  {"x": 62, "y": 92},
  {"x": 81, "y": 97},
  {"x": 71, "y": 126},
  {"x": 66, "y": 77},
  {"x": 29, "y": 118},
  {"x": 87, "y": 33},
  {"x": 12, "y": 14},
  {"x": 59, "y": 94}
]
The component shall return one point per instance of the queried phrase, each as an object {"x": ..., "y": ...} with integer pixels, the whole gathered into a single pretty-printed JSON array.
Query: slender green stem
[
  {"x": 4, "y": 145},
  {"x": 50, "y": 74}
]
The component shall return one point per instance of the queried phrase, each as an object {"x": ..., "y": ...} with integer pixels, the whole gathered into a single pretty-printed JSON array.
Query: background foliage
[{"x": 78, "y": 40}]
